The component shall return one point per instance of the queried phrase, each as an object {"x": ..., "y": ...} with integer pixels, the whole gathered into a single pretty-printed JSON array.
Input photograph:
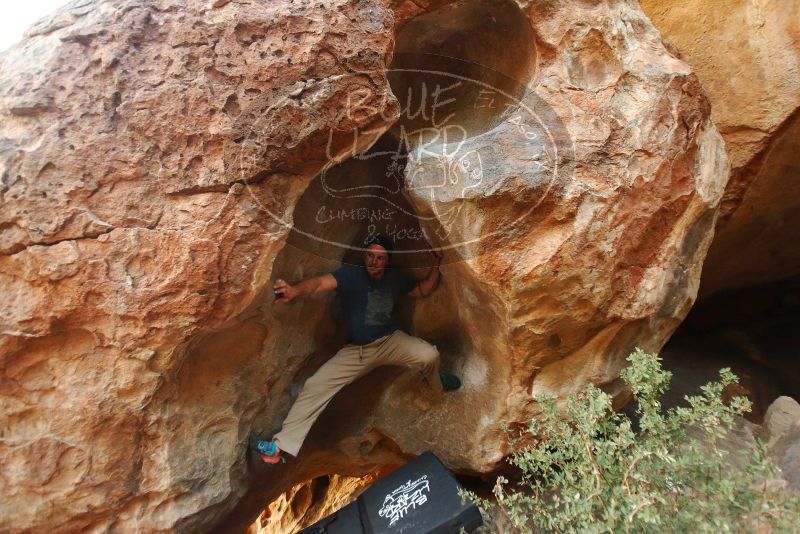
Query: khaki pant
[{"x": 351, "y": 362}]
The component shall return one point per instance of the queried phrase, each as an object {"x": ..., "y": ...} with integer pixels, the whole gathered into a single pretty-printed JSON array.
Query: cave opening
[
  {"x": 753, "y": 330},
  {"x": 457, "y": 72},
  {"x": 449, "y": 89}
]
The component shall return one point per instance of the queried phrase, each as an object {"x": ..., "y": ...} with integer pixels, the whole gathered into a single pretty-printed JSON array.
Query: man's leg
[
  {"x": 344, "y": 367},
  {"x": 403, "y": 349}
]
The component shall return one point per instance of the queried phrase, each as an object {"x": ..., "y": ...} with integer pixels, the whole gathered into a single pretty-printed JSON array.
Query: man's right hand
[
  {"x": 310, "y": 286},
  {"x": 287, "y": 292}
]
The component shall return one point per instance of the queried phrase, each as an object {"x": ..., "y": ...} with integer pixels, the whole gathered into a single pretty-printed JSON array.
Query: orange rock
[
  {"x": 747, "y": 58},
  {"x": 153, "y": 157}
]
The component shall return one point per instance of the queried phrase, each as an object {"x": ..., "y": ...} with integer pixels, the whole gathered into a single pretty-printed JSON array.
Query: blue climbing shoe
[
  {"x": 267, "y": 449},
  {"x": 449, "y": 382}
]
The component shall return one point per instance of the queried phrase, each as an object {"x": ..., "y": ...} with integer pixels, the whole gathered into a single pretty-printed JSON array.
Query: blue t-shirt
[{"x": 367, "y": 303}]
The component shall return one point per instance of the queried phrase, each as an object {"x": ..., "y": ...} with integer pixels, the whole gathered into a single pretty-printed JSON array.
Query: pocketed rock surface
[{"x": 151, "y": 155}]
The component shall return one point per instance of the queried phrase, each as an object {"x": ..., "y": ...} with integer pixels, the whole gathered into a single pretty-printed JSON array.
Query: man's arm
[
  {"x": 310, "y": 286},
  {"x": 427, "y": 285}
]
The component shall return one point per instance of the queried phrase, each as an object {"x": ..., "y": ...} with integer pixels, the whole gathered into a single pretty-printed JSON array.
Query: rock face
[
  {"x": 129, "y": 237},
  {"x": 782, "y": 424},
  {"x": 307, "y": 503},
  {"x": 155, "y": 157},
  {"x": 747, "y": 57},
  {"x": 781, "y": 416},
  {"x": 781, "y": 433}
]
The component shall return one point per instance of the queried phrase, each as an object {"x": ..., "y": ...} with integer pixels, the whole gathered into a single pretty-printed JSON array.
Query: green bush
[{"x": 587, "y": 469}]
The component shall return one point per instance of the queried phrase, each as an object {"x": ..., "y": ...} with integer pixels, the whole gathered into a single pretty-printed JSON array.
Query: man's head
[{"x": 376, "y": 257}]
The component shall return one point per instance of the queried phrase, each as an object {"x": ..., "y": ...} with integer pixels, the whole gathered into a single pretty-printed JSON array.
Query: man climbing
[{"x": 368, "y": 293}]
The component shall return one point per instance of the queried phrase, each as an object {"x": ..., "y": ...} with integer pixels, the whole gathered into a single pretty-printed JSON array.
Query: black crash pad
[{"x": 420, "y": 497}]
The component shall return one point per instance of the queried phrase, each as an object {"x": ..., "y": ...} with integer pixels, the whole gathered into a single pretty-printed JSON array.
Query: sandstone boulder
[
  {"x": 747, "y": 57},
  {"x": 161, "y": 162},
  {"x": 308, "y": 502},
  {"x": 781, "y": 415},
  {"x": 786, "y": 452}
]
